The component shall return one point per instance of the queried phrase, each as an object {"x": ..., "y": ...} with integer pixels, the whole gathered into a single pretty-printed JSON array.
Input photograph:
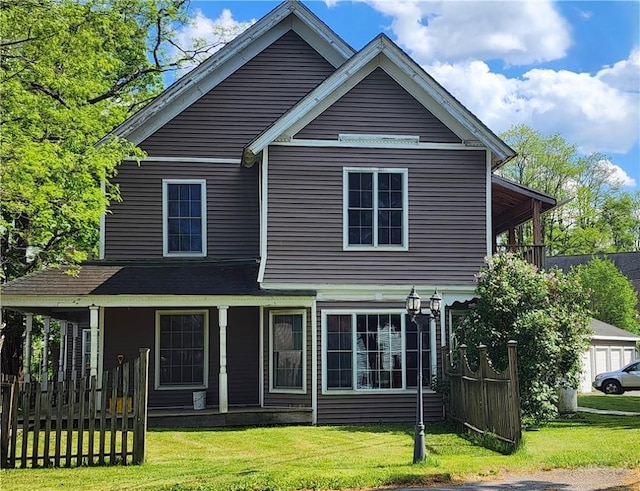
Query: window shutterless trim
[
  {"x": 165, "y": 217},
  {"x": 275, "y": 390},
  {"x": 205, "y": 348},
  {"x": 345, "y": 209}
]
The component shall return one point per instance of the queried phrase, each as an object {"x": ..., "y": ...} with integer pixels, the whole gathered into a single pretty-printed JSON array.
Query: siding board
[
  {"x": 378, "y": 105},
  {"x": 134, "y": 225},
  {"x": 447, "y": 217},
  {"x": 229, "y": 116}
]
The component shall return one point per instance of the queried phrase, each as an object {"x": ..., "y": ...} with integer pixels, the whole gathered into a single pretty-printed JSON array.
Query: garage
[{"x": 611, "y": 348}]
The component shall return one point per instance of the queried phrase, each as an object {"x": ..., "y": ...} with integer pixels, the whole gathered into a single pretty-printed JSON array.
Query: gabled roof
[
  {"x": 384, "y": 53},
  {"x": 607, "y": 332},
  {"x": 290, "y": 15}
]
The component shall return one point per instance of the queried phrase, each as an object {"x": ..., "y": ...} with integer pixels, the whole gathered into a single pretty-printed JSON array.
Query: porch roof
[
  {"x": 512, "y": 203},
  {"x": 165, "y": 277}
]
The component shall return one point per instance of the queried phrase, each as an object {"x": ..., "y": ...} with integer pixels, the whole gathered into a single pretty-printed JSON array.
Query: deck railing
[{"x": 534, "y": 254}]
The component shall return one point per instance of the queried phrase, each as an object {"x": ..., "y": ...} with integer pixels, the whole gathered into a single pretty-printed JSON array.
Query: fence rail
[
  {"x": 74, "y": 423},
  {"x": 485, "y": 400}
]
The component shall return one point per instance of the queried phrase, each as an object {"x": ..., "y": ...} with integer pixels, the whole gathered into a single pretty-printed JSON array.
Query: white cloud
[
  {"x": 211, "y": 33},
  {"x": 595, "y": 112},
  {"x": 616, "y": 175},
  {"x": 623, "y": 75},
  {"x": 453, "y": 31}
]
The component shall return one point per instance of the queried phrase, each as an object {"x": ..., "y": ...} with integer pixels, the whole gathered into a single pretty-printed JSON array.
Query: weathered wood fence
[
  {"x": 75, "y": 423},
  {"x": 485, "y": 400}
]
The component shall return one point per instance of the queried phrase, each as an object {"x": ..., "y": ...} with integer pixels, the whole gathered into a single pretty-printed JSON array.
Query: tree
[
  {"x": 71, "y": 70},
  {"x": 612, "y": 297},
  {"x": 584, "y": 185},
  {"x": 545, "y": 312}
]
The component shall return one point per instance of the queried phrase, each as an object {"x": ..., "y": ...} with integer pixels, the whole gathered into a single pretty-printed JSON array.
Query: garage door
[{"x": 601, "y": 360}]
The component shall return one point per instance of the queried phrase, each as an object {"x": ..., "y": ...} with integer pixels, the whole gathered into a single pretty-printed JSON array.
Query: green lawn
[
  {"x": 611, "y": 402},
  {"x": 288, "y": 458}
]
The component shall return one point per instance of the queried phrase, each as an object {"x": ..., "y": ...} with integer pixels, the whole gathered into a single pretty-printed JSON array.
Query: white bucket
[{"x": 200, "y": 400}]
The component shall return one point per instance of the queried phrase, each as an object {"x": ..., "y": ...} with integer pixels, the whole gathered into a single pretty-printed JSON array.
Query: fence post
[
  {"x": 514, "y": 391},
  {"x": 464, "y": 366},
  {"x": 141, "y": 396},
  {"x": 482, "y": 350},
  {"x": 7, "y": 398}
]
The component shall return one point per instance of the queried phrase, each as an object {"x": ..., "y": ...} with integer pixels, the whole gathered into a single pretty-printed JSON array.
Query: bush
[{"x": 545, "y": 312}]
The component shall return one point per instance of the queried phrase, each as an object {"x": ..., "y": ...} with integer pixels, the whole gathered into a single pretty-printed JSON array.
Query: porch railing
[{"x": 534, "y": 254}]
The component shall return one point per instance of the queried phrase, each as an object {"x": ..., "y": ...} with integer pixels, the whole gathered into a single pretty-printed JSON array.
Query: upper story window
[
  {"x": 184, "y": 213},
  {"x": 375, "y": 209}
]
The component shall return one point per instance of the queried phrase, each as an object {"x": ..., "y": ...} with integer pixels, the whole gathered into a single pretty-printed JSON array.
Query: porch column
[
  {"x": 74, "y": 347},
  {"x": 45, "y": 353},
  {"x": 537, "y": 228},
  {"x": 223, "y": 395},
  {"x": 512, "y": 237},
  {"x": 26, "y": 359},
  {"x": 63, "y": 345},
  {"x": 93, "y": 324}
]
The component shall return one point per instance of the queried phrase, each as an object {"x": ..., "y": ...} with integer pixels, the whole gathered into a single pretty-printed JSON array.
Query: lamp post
[{"x": 421, "y": 320}]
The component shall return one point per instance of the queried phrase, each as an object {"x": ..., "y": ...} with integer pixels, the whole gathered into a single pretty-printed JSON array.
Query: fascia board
[
  {"x": 462, "y": 115},
  {"x": 631, "y": 338},
  {"x": 203, "y": 78}
]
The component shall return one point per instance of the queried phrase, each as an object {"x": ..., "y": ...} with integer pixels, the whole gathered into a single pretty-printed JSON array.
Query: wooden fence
[
  {"x": 75, "y": 423},
  {"x": 485, "y": 401}
]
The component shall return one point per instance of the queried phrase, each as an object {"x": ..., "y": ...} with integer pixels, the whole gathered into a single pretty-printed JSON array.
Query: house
[
  {"x": 610, "y": 348},
  {"x": 293, "y": 192}
]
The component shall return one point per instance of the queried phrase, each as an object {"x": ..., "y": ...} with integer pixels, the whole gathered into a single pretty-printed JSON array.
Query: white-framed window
[
  {"x": 184, "y": 217},
  {"x": 86, "y": 352},
  {"x": 182, "y": 349},
  {"x": 375, "y": 208},
  {"x": 288, "y": 351},
  {"x": 372, "y": 351}
]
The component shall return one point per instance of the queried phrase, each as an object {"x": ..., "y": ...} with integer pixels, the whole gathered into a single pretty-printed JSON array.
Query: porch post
[
  {"x": 26, "y": 359},
  {"x": 223, "y": 396},
  {"x": 537, "y": 228},
  {"x": 61, "y": 357},
  {"x": 44, "y": 379},
  {"x": 74, "y": 347},
  {"x": 65, "y": 359},
  {"x": 512, "y": 238},
  {"x": 93, "y": 324}
]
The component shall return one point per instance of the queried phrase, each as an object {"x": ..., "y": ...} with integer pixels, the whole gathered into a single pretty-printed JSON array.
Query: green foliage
[
  {"x": 611, "y": 294},
  {"x": 545, "y": 312},
  {"x": 595, "y": 215}
]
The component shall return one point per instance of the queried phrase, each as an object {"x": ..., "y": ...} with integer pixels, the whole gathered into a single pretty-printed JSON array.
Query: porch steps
[{"x": 212, "y": 418}]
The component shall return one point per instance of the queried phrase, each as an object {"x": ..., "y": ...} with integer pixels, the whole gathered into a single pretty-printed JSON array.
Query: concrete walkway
[{"x": 606, "y": 411}]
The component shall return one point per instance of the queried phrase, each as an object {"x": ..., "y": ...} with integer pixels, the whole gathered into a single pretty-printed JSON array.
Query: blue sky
[{"x": 566, "y": 67}]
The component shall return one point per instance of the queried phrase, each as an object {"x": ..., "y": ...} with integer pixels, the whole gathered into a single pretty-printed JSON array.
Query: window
[
  {"x": 375, "y": 208},
  {"x": 373, "y": 351},
  {"x": 184, "y": 217},
  {"x": 182, "y": 339},
  {"x": 86, "y": 351},
  {"x": 287, "y": 348}
]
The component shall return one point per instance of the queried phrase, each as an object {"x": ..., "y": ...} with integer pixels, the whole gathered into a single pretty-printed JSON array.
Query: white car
[{"x": 618, "y": 381}]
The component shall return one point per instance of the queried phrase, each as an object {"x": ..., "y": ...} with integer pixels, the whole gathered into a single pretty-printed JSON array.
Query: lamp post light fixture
[{"x": 421, "y": 320}]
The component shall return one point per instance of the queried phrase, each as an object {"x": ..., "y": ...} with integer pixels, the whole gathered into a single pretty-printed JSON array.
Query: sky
[{"x": 568, "y": 67}]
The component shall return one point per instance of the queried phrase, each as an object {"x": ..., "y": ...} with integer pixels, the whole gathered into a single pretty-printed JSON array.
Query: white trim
[
  {"x": 345, "y": 209},
  {"x": 630, "y": 338},
  {"x": 300, "y": 142},
  {"x": 94, "y": 321},
  {"x": 235, "y": 54},
  {"x": 203, "y": 217},
  {"x": 433, "y": 347},
  {"x": 223, "y": 390},
  {"x": 314, "y": 364},
  {"x": 264, "y": 202},
  {"x": 202, "y": 160},
  {"x": 359, "y": 392},
  {"x": 100, "y": 345},
  {"x": 205, "y": 348},
  {"x": 272, "y": 388},
  {"x": 383, "y": 139},
  {"x": 488, "y": 208},
  {"x": 172, "y": 301},
  {"x": 261, "y": 356}
]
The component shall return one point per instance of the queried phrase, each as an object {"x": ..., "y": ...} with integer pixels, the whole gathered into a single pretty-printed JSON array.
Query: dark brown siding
[
  {"x": 378, "y": 105},
  {"x": 134, "y": 226},
  {"x": 447, "y": 217},
  {"x": 243, "y": 351},
  {"x": 228, "y": 117},
  {"x": 279, "y": 399},
  {"x": 129, "y": 329},
  {"x": 399, "y": 407}
]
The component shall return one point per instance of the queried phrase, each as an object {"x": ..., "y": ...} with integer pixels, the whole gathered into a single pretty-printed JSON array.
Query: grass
[
  {"x": 289, "y": 458},
  {"x": 610, "y": 402}
]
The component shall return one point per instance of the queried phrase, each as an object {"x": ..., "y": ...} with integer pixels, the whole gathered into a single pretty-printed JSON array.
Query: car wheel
[{"x": 611, "y": 387}]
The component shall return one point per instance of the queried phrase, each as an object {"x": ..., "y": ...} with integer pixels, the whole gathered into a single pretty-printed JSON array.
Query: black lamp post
[{"x": 421, "y": 320}]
